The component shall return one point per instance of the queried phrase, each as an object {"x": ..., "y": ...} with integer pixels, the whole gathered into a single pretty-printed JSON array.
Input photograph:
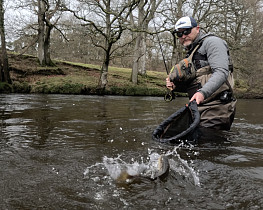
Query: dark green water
[{"x": 53, "y": 148}]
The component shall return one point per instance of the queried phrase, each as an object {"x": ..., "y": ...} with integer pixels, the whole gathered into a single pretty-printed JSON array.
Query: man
[{"x": 210, "y": 83}]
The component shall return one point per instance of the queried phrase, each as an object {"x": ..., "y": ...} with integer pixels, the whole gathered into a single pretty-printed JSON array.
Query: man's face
[{"x": 188, "y": 39}]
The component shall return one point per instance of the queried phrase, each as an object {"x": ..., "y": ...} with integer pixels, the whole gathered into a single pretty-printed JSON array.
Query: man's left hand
[{"x": 198, "y": 97}]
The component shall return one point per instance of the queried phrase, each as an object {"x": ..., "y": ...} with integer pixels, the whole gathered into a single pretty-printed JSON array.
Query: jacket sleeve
[{"x": 217, "y": 56}]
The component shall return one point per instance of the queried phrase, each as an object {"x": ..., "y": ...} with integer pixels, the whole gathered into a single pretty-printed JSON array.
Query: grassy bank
[{"x": 79, "y": 78}]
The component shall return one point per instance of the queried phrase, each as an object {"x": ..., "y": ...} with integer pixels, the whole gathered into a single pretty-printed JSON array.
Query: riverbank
[{"x": 78, "y": 78}]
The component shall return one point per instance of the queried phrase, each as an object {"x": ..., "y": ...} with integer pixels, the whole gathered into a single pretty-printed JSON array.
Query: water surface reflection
[{"x": 52, "y": 149}]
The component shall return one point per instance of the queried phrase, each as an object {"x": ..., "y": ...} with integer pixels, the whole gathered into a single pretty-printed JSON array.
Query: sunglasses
[{"x": 185, "y": 32}]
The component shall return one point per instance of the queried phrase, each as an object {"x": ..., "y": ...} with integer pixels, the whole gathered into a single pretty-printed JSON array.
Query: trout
[{"x": 161, "y": 171}]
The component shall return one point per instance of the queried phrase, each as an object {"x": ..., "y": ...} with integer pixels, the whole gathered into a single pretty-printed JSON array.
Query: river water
[{"x": 61, "y": 152}]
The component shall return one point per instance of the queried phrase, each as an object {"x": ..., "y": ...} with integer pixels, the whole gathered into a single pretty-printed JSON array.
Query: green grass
[
  {"x": 119, "y": 81},
  {"x": 79, "y": 78}
]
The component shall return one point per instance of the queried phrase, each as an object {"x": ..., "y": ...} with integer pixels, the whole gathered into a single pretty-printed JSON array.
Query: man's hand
[
  {"x": 198, "y": 97},
  {"x": 170, "y": 85}
]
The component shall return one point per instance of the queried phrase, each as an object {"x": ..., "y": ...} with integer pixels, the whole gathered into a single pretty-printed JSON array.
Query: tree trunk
[
  {"x": 47, "y": 58},
  {"x": 104, "y": 71},
  {"x": 44, "y": 30},
  {"x": 5, "y": 76},
  {"x": 108, "y": 44},
  {"x": 142, "y": 59},
  {"x": 136, "y": 58},
  {"x": 144, "y": 17},
  {"x": 41, "y": 32},
  {"x": 175, "y": 54},
  {"x": 104, "y": 76}
]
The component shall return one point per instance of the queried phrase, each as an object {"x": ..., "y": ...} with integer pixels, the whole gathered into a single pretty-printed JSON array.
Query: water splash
[
  {"x": 87, "y": 171},
  {"x": 120, "y": 170},
  {"x": 181, "y": 166}
]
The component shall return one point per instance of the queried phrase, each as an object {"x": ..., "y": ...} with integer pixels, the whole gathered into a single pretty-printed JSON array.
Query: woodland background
[{"x": 134, "y": 34}]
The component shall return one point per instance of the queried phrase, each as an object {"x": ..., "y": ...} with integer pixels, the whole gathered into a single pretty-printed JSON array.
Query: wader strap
[
  {"x": 209, "y": 71},
  {"x": 192, "y": 53},
  {"x": 230, "y": 88}
]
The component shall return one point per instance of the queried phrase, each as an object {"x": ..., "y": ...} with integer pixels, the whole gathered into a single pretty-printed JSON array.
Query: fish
[
  {"x": 151, "y": 173},
  {"x": 163, "y": 167}
]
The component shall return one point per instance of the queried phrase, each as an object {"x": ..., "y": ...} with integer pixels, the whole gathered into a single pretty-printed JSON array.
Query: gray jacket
[{"x": 216, "y": 51}]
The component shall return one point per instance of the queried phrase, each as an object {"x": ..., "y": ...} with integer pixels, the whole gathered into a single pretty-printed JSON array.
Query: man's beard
[{"x": 187, "y": 42}]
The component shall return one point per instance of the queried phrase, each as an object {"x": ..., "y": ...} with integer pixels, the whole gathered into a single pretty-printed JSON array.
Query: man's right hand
[
  {"x": 198, "y": 97},
  {"x": 170, "y": 85}
]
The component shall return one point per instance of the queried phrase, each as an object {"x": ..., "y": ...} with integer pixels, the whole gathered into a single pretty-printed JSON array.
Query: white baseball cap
[{"x": 185, "y": 22}]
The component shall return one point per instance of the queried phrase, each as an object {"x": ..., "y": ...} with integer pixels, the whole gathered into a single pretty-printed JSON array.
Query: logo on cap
[{"x": 180, "y": 23}]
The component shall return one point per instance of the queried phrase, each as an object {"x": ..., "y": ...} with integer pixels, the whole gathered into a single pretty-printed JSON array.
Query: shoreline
[{"x": 82, "y": 79}]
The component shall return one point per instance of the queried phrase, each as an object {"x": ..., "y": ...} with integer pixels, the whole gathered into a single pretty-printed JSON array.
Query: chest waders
[{"x": 218, "y": 110}]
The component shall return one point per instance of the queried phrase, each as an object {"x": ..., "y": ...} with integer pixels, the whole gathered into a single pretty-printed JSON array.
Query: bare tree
[
  {"x": 171, "y": 11},
  {"x": 4, "y": 71},
  {"x": 35, "y": 33},
  {"x": 109, "y": 25},
  {"x": 45, "y": 14},
  {"x": 146, "y": 10},
  {"x": 251, "y": 66},
  {"x": 77, "y": 46}
]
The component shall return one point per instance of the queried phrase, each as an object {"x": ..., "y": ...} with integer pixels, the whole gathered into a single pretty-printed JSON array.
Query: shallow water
[{"x": 53, "y": 150}]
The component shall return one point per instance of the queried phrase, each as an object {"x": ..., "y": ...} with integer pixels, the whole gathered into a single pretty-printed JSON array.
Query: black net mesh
[{"x": 182, "y": 125}]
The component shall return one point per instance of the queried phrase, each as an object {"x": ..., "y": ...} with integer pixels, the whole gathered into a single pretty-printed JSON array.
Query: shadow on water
[{"x": 66, "y": 152}]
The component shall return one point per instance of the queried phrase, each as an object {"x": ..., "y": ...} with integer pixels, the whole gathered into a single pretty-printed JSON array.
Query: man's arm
[{"x": 217, "y": 56}]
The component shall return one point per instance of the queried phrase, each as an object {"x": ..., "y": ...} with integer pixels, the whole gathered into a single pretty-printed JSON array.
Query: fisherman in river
[{"x": 205, "y": 74}]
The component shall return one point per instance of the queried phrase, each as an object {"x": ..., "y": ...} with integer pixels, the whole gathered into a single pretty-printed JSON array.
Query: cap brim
[{"x": 185, "y": 27}]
